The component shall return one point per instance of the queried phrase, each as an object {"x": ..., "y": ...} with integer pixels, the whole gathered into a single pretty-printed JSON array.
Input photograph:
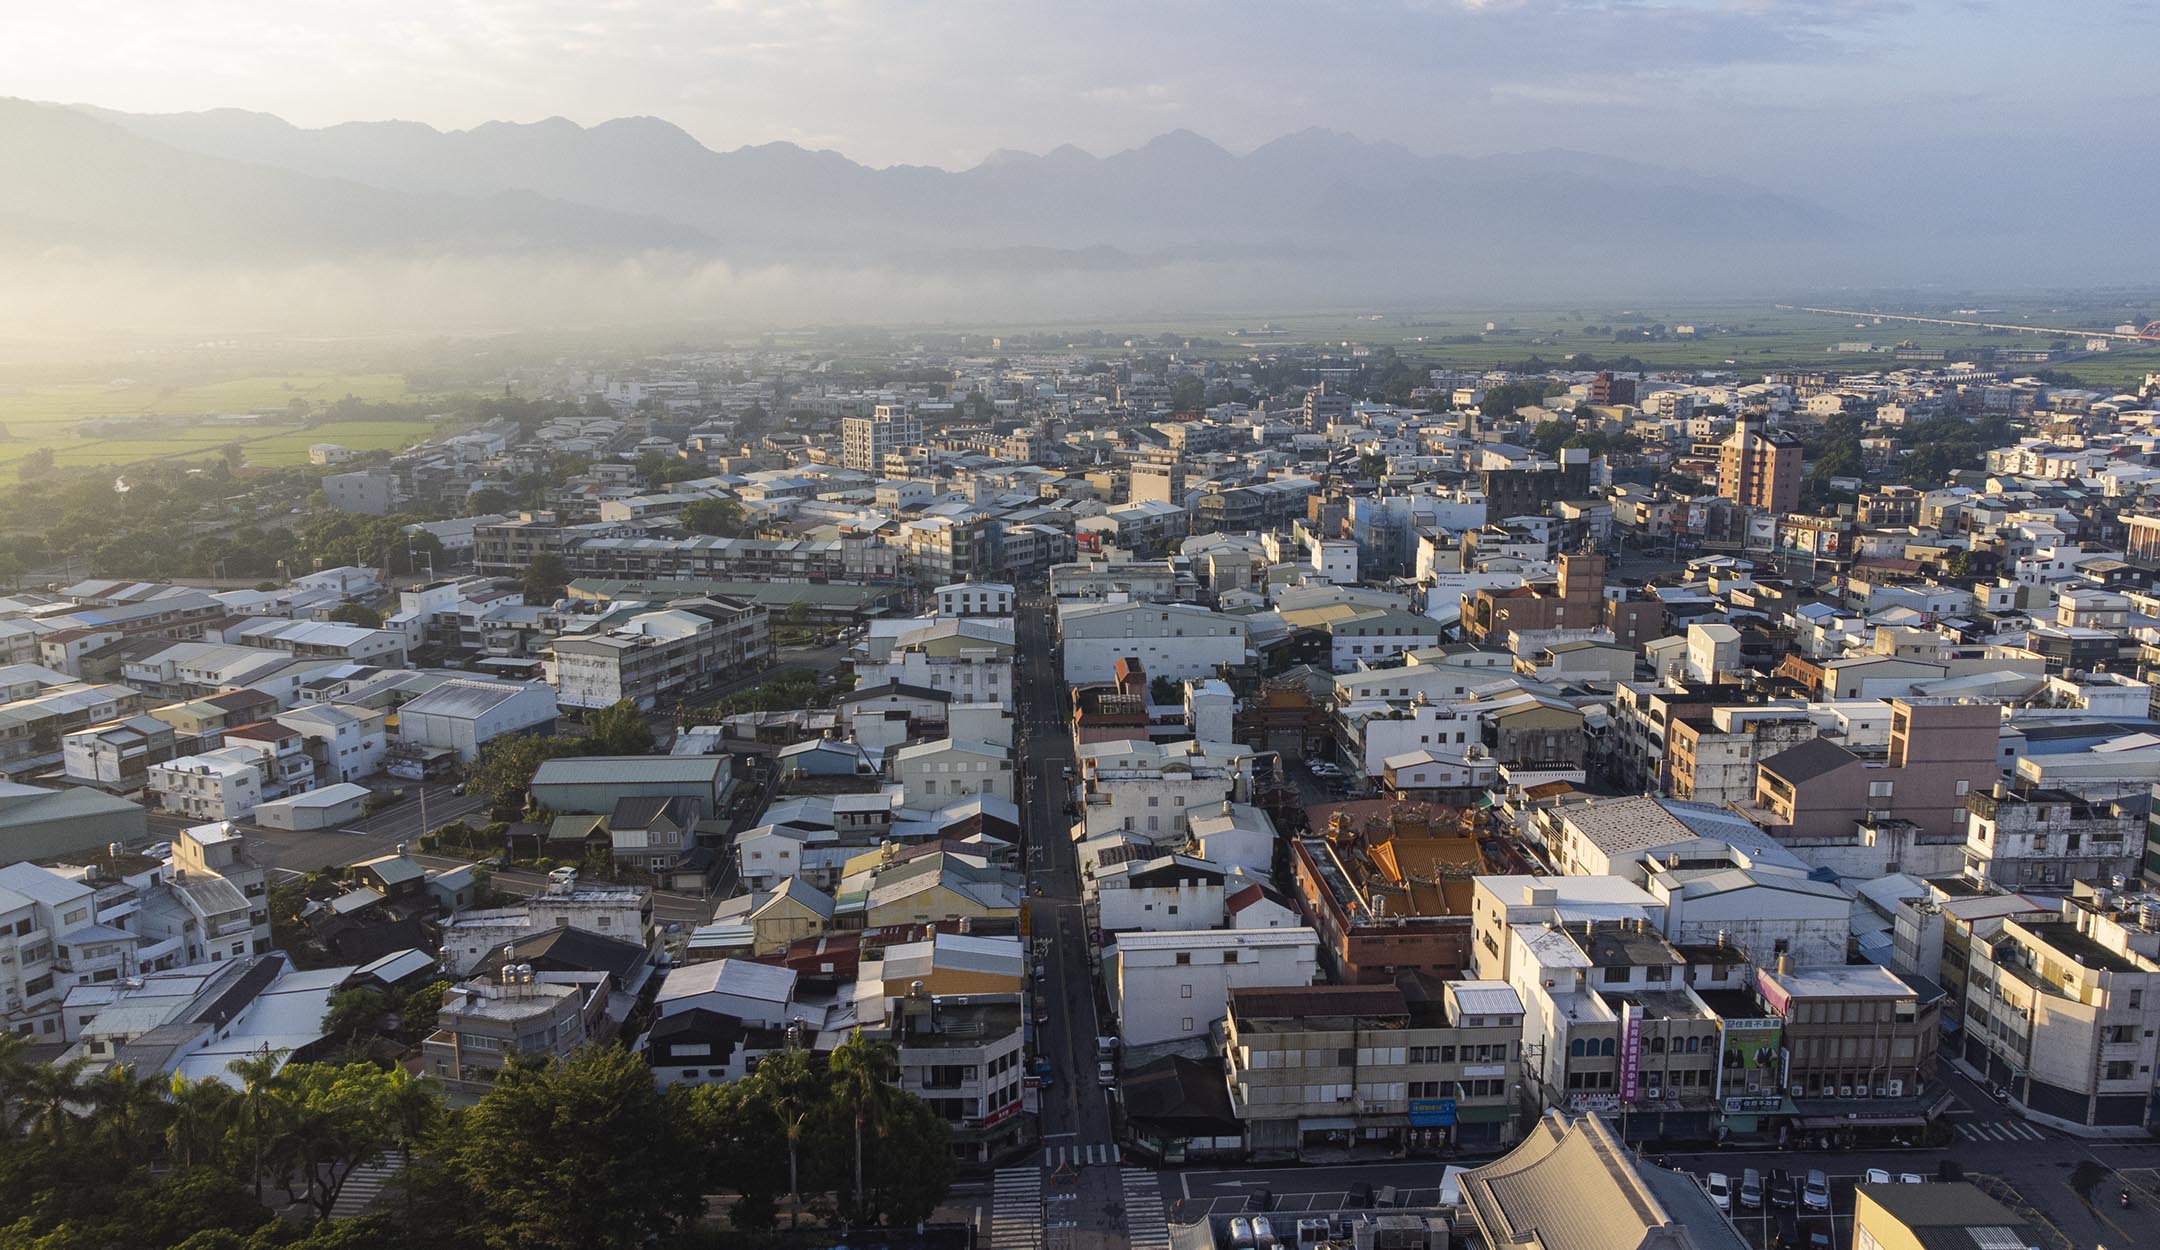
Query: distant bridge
[{"x": 2149, "y": 335}]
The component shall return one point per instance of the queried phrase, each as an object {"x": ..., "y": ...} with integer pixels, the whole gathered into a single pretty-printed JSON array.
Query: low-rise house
[
  {"x": 482, "y": 1024},
  {"x": 1166, "y": 892}
]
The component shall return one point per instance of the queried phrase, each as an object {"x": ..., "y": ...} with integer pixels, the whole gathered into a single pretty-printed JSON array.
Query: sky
[{"x": 1840, "y": 91}]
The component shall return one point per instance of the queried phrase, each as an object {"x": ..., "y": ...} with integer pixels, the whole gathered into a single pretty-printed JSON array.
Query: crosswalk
[
  {"x": 1079, "y": 1156},
  {"x": 362, "y": 1188},
  {"x": 1016, "y": 1209},
  {"x": 1145, "y": 1227},
  {"x": 2000, "y": 1130}
]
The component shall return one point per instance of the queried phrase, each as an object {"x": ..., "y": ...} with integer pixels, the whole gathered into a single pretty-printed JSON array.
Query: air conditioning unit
[
  {"x": 1799, "y": 1091},
  {"x": 1844, "y": 1091},
  {"x": 1897, "y": 1088}
]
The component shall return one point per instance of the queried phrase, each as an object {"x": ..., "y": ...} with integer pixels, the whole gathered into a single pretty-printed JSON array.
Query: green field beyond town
[{"x": 124, "y": 420}]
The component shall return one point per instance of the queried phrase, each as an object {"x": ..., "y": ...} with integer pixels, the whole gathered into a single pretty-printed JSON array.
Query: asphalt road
[{"x": 1087, "y": 1192}]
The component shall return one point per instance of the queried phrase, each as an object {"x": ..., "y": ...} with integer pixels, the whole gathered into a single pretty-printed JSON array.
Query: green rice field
[{"x": 196, "y": 419}]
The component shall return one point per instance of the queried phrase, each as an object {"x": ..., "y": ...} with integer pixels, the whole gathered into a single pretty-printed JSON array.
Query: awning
[
  {"x": 1326, "y": 1123},
  {"x": 1887, "y": 1121}
]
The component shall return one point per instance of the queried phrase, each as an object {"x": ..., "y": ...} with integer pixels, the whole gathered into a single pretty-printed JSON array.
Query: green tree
[
  {"x": 354, "y": 1015},
  {"x": 330, "y": 1120},
  {"x": 203, "y": 1114},
  {"x": 356, "y": 614},
  {"x": 14, "y": 1079},
  {"x": 578, "y": 1154},
  {"x": 618, "y": 729},
  {"x": 50, "y": 1094},
  {"x": 257, "y": 1119},
  {"x": 489, "y": 501},
  {"x": 36, "y": 465},
  {"x": 417, "y": 1011},
  {"x": 1188, "y": 394},
  {"x": 864, "y": 1074},
  {"x": 722, "y": 518},
  {"x": 545, "y": 579},
  {"x": 129, "y": 1112},
  {"x": 503, "y": 770}
]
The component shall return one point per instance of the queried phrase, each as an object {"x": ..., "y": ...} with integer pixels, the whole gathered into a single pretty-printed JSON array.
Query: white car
[
  {"x": 1719, "y": 1187},
  {"x": 1105, "y": 1073},
  {"x": 1878, "y": 1176}
]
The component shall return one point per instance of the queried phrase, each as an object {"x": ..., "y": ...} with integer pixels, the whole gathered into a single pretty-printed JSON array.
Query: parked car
[
  {"x": 1782, "y": 1194},
  {"x": 1719, "y": 1187},
  {"x": 1751, "y": 1189},
  {"x": 1359, "y": 1198},
  {"x": 1788, "y": 1232},
  {"x": 1911, "y": 1178},
  {"x": 1816, "y": 1192},
  {"x": 1261, "y": 1200},
  {"x": 1105, "y": 1073},
  {"x": 1819, "y": 1236},
  {"x": 1878, "y": 1176}
]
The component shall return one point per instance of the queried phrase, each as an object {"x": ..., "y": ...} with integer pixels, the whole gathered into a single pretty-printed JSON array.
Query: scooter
[{"x": 2124, "y": 1198}]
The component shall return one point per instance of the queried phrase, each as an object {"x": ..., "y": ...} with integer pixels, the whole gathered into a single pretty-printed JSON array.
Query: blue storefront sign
[{"x": 1432, "y": 1113}]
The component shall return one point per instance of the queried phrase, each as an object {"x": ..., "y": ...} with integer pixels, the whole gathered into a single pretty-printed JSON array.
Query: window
[
  {"x": 1186, "y": 1027},
  {"x": 1185, "y": 991},
  {"x": 1880, "y": 789}
]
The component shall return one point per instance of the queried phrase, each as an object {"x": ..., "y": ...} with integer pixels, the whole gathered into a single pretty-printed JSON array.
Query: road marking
[
  {"x": 1145, "y": 1226},
  {"x": 1016, "y": 1220},
  {"x": 1080, "y": 1156}
]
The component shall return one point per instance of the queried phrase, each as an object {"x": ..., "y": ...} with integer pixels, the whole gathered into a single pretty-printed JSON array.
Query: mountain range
[{"x": 250, "y": 184}]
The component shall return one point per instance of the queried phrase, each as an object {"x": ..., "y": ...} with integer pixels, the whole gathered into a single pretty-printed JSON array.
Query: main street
[{"x": 1083, "y": 1188}]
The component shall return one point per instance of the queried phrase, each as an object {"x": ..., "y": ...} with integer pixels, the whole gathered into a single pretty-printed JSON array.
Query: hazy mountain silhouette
[
  {"x": 75, "y": 180},
  {"x": 1315, "y": 191}
]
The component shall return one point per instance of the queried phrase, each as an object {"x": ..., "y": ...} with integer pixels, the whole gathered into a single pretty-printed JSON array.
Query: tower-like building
[
  {"x": 1759, "y": 468},
  {"x": 865, "y": 440}
]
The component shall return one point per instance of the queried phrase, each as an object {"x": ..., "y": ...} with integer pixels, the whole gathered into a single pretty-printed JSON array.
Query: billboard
[
  {"x": 1752, "y": 1056},
  {"x": 1630, "y": 1050},
  {"x": 1432, "y": 1112}
]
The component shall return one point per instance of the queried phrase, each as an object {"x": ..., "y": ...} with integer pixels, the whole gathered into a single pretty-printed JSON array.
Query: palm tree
[
  {"x": 129, "y": 1110},
  {"x": 14, "y": 1074},
  {"x": 258, "y": 1075},
  {"x": 864, "y": 1073},
  {"x": 201, "y": 1111},
  {"x": 50, "y": 1096}
]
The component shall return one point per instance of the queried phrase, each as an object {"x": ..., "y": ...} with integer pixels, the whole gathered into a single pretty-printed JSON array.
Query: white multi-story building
[
  {"x": 36, "y": 908},
  {"x": 970, "y": 660},
  {"x": 224, "y": 784},
  {"x": 975, "y": 599},
  {"x": 1169, "y": 892},
  {"x": 659, "y": 655},
  {"x": 1147, "y": 791},
  {"x": 1172, "y": 640},
  {"x": 1174, "y": 987},
  {"x": 345, "y": 743},
  {"x": 933, "y": 772},
  {"x": 866, "y": 441},
  {"x": 1372, "y": 734}
]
